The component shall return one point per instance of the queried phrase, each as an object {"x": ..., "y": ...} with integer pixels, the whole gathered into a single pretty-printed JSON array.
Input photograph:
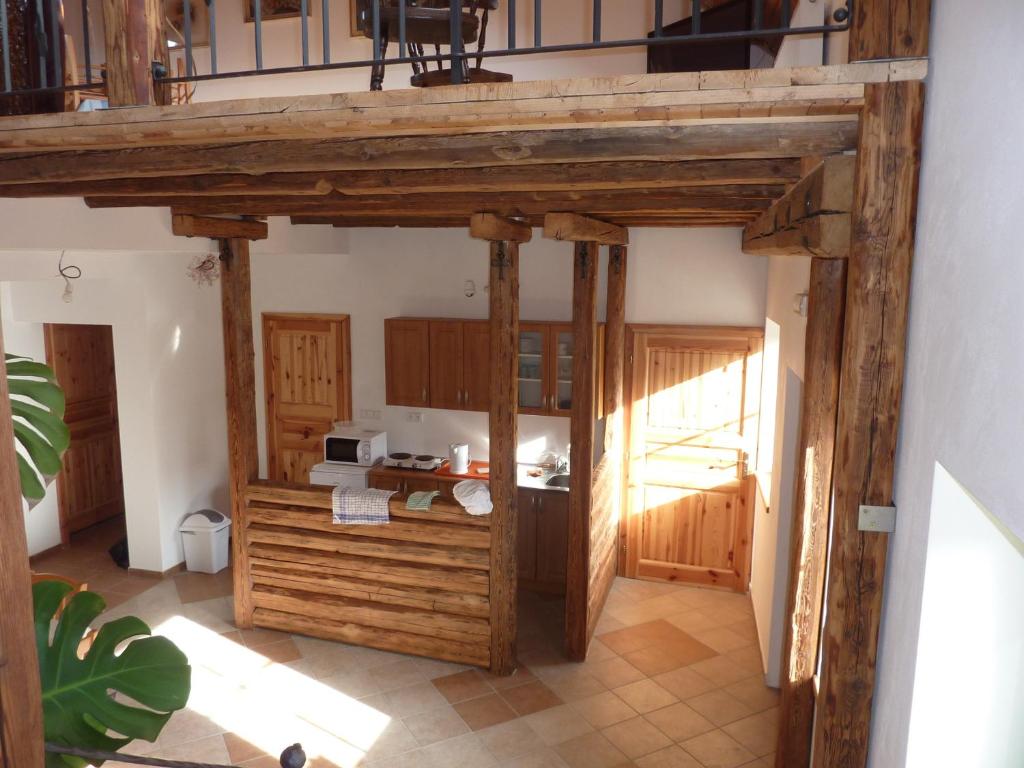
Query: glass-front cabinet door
[
  {"x": 533, "y": 374},
  {"x": 562, "y": 350}
]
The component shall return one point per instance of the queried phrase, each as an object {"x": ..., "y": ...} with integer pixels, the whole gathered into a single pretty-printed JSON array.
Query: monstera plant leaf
[
  {"x": 93, "y": 702},
  {"x": 37, "y": 404}
]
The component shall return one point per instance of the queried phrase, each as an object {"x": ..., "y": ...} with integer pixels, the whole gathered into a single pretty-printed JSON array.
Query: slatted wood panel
[
  {"x": 419, "y": 585},
  {"x": 307, "y": 374},
  {"x": 691, "y": 422},
  {"x": 89, "y": 487}
]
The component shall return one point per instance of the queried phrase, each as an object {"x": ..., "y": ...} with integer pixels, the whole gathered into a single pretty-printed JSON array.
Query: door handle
[{"x": 424, "y": 397}]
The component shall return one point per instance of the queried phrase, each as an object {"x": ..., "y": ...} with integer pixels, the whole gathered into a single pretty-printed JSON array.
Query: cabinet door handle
[{"x": 424, "y": 395}]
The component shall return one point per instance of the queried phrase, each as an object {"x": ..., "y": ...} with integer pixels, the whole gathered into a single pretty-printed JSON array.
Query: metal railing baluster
[
  {"x": 212, "y": 6},
  {"x": 375, "y": 16},
  {"x": 455, "y": 10},
  {"x": 325, "y": 20},
  {"x": 512, "y": 32},
  {"x": 304, "y": 26},
  {"x": 56, "y": 42},
  {"x": 538, "y": 19},
  {"x": 758, "y": 14},
  {"x": 659, "y": 18},
  {"x": 187, "y": 31},
  {"x": 402, "y": 36},
  {"x": 597, "y": 21},
  {"x": 787, "y": 14},
  {"x": 257, "y": 17},
  {"x": 86, "y": 43},
  {"x": 5, "y": 42},
  {"x": 695, "y": 17}
]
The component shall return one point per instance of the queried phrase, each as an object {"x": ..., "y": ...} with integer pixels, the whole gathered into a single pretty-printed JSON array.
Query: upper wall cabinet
[{"x": 446, "y": 364}]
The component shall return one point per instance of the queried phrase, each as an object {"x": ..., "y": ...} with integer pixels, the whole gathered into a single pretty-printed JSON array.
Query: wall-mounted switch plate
[
  {"x": 414, "y": 416},
  {"x": 877, "y": 519},
  {"x": 367, "y": 413}
]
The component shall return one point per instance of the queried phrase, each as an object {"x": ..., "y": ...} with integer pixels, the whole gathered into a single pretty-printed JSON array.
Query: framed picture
[
  {"x": 174, "y": 23},
  {"x": 277, "y": 9}
]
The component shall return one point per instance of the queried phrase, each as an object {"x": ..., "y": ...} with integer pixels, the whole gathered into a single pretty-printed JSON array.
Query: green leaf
[
  {"x": 44, "y": 458},
  {"x": 78, "y": 707},
  {"x": 37, "y": 404},
  {"x": 51, "y": 427},
  {"x": 42, "y": 392},
  {"x": 31, "y": 488},
  {"x": 30, "y": 368}
]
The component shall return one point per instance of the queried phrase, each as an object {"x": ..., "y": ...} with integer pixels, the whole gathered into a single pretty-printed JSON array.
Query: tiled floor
[{"x": 673, "y": 680}]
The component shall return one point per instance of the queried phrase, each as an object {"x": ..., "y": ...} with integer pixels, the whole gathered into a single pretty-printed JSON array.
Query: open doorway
[{"x": 90, "y": 491}]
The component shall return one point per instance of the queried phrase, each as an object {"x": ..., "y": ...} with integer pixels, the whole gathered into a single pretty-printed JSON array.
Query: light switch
[
  {"x": 416, "y": 417},
  {"x": 367, "y": 413}
]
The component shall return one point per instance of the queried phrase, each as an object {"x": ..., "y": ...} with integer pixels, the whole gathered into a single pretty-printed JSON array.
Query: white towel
[
  {"x": 475, "y": 496},
  {"x": 361, "y": 506}
]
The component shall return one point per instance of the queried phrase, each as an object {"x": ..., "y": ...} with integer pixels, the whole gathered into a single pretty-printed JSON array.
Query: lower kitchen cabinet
[{"x": 543, "y": 540}]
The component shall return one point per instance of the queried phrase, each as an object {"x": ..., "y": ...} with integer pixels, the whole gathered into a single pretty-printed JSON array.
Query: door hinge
[{"x": 875, "y": 519}]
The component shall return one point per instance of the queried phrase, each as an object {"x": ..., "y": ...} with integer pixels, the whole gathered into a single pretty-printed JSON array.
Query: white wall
[
  {"x": 970, "y": 653},
  {"x": 695, "y": 276},
  {"x": 962, "y": 397}
]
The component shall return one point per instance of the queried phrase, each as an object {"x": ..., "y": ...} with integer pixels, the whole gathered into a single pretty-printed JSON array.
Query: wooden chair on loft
[{"x": 428, "y": 23}]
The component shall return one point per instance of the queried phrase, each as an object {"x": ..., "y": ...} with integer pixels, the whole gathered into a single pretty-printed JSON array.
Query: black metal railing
[{"x": 34, "y": 59}]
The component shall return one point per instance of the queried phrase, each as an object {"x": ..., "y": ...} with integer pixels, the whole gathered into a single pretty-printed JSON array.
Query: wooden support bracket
[
  {"x": 572, "y": 226},
  {"x": 812, "y": 219},
  {"x": 185, "y": 225},
  {"x": 488, "y": 226}
]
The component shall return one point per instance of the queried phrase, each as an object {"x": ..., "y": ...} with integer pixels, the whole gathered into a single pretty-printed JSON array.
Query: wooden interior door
[
  {"x": 89, "y": 487},
  {"x": 307, "y": 372},
  {"x": 692, "y": 426}
]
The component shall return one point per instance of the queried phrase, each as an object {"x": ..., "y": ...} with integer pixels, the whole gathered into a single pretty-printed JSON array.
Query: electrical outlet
[
  {"x": 367, "y": 413},
  {"x": 414, "y": 416}
]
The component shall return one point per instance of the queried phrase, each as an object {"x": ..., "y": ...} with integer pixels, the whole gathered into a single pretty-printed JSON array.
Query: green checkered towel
[{"x": 421, "y": 499}]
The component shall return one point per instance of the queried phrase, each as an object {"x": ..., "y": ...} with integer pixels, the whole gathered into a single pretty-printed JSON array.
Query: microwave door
[{"x": 342, "y": 450}]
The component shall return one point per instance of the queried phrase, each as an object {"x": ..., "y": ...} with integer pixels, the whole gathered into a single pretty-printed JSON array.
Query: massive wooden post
[
  {"x": 884, "y": 214},
  {"x": 889, "y": 29},
  {"x": 504, "y": 236},
  {"x": 240, "y": 380},
  {"x": 135, "y": 38},
  {"x": 809, "y": 543},
  {"x": 21, "y": 707}
]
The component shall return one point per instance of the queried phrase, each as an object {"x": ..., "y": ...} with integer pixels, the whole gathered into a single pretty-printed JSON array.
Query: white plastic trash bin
[{"x": 204, "y": 535}]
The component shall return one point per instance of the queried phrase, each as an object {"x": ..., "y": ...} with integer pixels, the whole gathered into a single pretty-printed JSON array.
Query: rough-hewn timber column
[
  {"x": 581, "y": 454},
  {"x": 504, "y": 236},
  {"x": 240, "y": 379},
  {"x": 809, "y": 544},
  {"x": 134, "y": 38},
  {"x": 21, "y": 708},
  {"x": 889, "y": 29},
  {"x": 874, "y": 351}
]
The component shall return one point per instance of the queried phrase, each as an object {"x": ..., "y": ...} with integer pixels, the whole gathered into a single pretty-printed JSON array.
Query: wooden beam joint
[
  {"x": 488, "y": 226},
  {"x": 215, "y": 228},
  {"x": 577, "y": 228}
]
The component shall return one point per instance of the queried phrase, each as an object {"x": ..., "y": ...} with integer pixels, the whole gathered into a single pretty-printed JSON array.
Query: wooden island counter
[{"x": 419, "y": 585}]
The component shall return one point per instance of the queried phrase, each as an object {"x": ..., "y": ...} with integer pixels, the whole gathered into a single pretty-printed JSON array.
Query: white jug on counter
[{"x": 458, "y": 457}]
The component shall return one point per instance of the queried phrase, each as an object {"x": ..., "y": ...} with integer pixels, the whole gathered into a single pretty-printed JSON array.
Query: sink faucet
[{"x": 561, "y": 465}]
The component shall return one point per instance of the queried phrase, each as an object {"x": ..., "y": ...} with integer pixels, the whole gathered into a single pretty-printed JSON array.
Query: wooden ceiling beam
[
  {"x": 576, "y": 228},
  {"x": 458, "y": 222},
  {"x": 529, "y": 178},
  {"x": 487, "y": 226},
  {"x": 812, "y": 219},
  {"x": 731, "y": 139},
  {"x": 185, "y": 225}
]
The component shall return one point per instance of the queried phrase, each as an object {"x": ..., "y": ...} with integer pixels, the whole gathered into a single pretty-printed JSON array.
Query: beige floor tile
[
  {"x": 484, "y": 712},
  {"x": 692, "y": 621},
  {"x": 508, "y": 740},
  {"x": 748, "y": 659},
  {"x": 280, "y": 652},
  {"x": 636, "y": 737},
  {"x": 460, "y": 751},
  {"x": 240, "y": 750},
  {"x": 211, "y": 749},
  {"x": 717, "y": 749},
  {"x": 615, "y": 672},
  {"x": 393, "y": 740},
  {"x": 680, "y": 722},
  {"x": 553, "y": 726},
  {"x": 758, "y": 733},
  {"x": 754, "y": 693},
  {"x": 413, "y": 700},
  {"x": 721, "y": 639},
  {"x": 357, "y": 684},
  {"x": 541, "y": 758},
  {"x": 645, "y": 696},
  {"x": 592, "y": 750},
  {"x": 684, "y": 683},
  {"x": 604, "y": 709},
  {"x": 719, "y": 707},
  {"x": 438, "y": 724},
  {"x": 669, "y": 757},
  {"x": 720, "y": 670},
  {"x": 398, "y": 674}
]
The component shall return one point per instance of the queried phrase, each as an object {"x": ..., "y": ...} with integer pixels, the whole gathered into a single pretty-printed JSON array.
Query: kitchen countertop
[{"x": 523, "y": 479}]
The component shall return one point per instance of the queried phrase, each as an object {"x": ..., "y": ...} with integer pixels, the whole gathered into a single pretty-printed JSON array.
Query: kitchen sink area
[{"x": 558, "y": 481}]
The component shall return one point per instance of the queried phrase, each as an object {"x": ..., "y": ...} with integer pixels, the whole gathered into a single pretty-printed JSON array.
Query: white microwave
[{"x": 352, "y": 445}]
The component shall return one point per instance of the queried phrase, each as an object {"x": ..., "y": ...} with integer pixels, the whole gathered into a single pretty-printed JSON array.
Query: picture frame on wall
[{"x": 277, "y": 9}]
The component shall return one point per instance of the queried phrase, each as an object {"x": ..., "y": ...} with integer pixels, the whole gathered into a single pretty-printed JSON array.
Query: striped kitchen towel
[
  {"x": 420, "y": 500},
  {"x": 360, "y": 506}
]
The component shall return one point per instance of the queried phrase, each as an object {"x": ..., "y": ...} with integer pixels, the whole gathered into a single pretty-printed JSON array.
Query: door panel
[
  {"x": 476, "y": 366},
  {"x": 690, "y": 434},
  {"x": 533, "y": 374},
  {"x": 307, "y": 377},
  {"x": 89, "y": 487},
  {"x": 407, "y": 362},
  {"x": 445, "y": 364}
]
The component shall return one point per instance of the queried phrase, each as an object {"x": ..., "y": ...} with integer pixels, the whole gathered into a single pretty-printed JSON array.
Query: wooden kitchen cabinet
[
  {"x": 446, "y": 364},
  {"x": 407, "y": 362},
  {"x": 476, "y": 366},
  {"x": 543, "y": 530},
  {"x": 406, "y": 481}
]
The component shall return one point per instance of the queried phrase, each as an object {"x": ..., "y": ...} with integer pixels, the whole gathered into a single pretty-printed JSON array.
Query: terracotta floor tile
[
  {"x": 604, "y": 709},
  {"x": 530, "y": 698},
  {"x": 592, "y": 750},
  {"x": 684, "y": 683},
  {"x": 719, "y": 707},
  {"x": 540, "y": 758},
  {"x": 280, "y": 652},
  {"x": 758, "y": 733},
  {"x": 576, "y": 687},
  {"x": 645, "y": 696},
  {"x": 558, "y": 724},
  {"x": 461, "y": 686},
  {"x": 521, "y": 676},
  {"x": 717, "y": 749},
  {"x": 616, "y": 672},
  {"x": 680, "y": 722},
  {"x": 669, "y": 757},
  {"x": 721, "y": 639},
  {"x": 720, "y": 670},
  {"x": 254, "y": 638},
  {"x": 754, "y": 693},
  {"x": 636, "y": 737},
  {"x": 240, "y": 750},
  {"x": 484, "y": 712}
]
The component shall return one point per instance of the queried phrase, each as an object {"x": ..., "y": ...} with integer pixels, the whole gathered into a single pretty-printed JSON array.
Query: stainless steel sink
[{"x": 558, "y": 481}]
